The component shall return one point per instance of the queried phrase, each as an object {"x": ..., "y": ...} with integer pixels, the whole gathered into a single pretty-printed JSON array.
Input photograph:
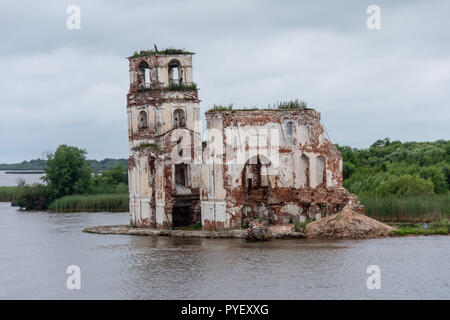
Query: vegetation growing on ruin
[
  {"x": 143, "y": 89},
  {"x": 195, "y": 227},
  {"x": 290, "y": 104},
  {"x": 144, "y": 53},
  {"x": 219, "y": 107},
  {"x": 230, "y": 107},
  {"x": 173, "y": 87},
  {"x": 182, "y": 86},
  {"x": 146, "y": 145},
  {"x": 400, "y": 181},
  {"x": 279, "y": 105},
  {"x": 300, "y": 226}
]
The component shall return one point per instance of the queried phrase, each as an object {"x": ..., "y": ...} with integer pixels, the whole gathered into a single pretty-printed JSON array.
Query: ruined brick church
[{"x": 273, "y": 164}]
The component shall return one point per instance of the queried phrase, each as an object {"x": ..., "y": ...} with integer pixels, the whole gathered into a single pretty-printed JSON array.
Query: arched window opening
[
  {"x": 144, "y": 75},
  {"x": 175, "y": 73},
  {"x": 304, "y": 170},
  {"x": 320, "y": 169},
  {"x": 181, "y": 174},
  {"x": 142, "y": 120},
  {"x": 308, "y": 133},
  {"x": 256, "y": 174},
  {"x": 289, "y": 129},
  {"x": 179, "y": 119}
]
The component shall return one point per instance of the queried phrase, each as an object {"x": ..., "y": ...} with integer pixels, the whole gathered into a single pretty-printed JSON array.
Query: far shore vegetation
[
  {"x": 71, "y": 185},
  {"x": 396, "y": 182},
  {"x": 404, "y": 182},
  {"x": 38, "y": 165}
]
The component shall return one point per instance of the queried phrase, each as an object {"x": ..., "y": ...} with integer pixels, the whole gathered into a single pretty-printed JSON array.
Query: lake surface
[
  {"x": 10, "y": 179},
  {"x": 37, "y": 247}
]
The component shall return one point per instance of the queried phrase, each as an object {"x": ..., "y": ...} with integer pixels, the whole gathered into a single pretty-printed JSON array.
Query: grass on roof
[
  {"x": 279, "y": 105},
  {"x": 144, "y": 53}
]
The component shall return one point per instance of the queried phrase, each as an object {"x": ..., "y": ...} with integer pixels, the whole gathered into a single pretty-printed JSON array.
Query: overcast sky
[{"x": 61, "y": 86}]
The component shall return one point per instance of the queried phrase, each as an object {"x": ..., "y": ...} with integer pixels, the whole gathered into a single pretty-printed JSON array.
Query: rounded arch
[
  {"x": 175, "y": 72},
  {"x": 261, "y": 158},
  {"x": 143, "y": 73},
  {"x": 256, "y": 171},
  {"x": 143, "y": 65},
  {"x": 179, "y": 118},
  {"x": 142, "y": 120},
  {"x": 321, "y": 165},
  {"x": 289, "y": 128},
  {"x": 174, "y": 63},
  {"x": 304, "y": 170}
]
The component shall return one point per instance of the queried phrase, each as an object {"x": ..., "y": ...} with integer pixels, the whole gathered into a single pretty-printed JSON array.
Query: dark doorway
[{"x": 183, "y": 213}]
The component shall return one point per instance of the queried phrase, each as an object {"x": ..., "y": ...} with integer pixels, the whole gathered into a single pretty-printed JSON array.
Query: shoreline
[{"x": 278, "y": 232}]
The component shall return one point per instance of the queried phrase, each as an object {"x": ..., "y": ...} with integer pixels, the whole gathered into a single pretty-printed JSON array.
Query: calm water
[
  {"x": 37, "y": 247},
  {"x": 9, "y": 179}
]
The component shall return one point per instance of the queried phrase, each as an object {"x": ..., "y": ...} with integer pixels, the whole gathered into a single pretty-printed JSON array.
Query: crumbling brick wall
[{"x": 298, "y": 176}]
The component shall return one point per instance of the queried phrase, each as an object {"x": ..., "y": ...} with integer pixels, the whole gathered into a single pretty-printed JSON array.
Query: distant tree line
[{"x": 40, "y": 164}]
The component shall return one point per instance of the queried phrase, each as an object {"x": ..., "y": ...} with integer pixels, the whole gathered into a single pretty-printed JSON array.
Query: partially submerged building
[{"x": 274, "y": 164}]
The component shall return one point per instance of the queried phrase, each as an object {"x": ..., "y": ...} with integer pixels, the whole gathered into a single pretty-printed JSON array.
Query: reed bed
[
  {"x": 7, "y": 193},
  {"x": 407, "y": 209},
  {"x": 91, "y": 203}
]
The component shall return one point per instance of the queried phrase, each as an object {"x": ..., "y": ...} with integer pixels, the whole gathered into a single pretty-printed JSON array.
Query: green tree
[
  {"x": 436, "y": 175},
  {"x": 405, "y": 185},
  {"x": 67, "y": 172},
  {"x": 115, "y": 175}
]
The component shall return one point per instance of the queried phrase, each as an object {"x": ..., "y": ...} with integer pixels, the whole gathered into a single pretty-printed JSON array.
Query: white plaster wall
[{"x": 214, "y": 210}]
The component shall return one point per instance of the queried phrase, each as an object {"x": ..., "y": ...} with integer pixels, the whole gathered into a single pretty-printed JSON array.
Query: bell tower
[{"x": 164, "y": 131}]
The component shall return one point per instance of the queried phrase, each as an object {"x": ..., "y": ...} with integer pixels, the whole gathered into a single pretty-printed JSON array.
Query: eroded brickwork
[{"x": 276, "y": 165}]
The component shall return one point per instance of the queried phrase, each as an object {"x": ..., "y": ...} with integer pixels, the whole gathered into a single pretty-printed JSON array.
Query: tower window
[
  {"x": 175, "y": 73},
  {"x": 142, "y": 120},
  {"x": 144, "y": 75},
  {"x": 179, "y": 119}
]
